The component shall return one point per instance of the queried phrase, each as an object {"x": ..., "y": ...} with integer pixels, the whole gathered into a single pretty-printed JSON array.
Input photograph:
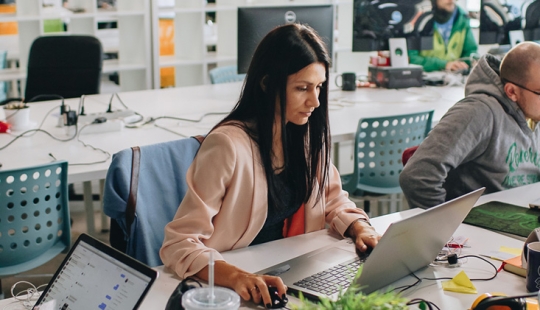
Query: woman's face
[{"x": 303, "y": 89}]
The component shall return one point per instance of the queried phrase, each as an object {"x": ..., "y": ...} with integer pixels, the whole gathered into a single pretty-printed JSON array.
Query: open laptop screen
[{"x": 96, "y": 276}]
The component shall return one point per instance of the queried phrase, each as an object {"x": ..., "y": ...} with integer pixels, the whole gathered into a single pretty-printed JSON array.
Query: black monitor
[
  {"x": 374, "y": 22},
  {"x": 499, "y": 17},
  {"x": 255, "y": 22}
]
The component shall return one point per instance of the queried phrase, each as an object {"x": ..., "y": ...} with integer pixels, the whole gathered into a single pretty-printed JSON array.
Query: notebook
[
  {"x": 405, "y": 247},
  {"x": 504, "y": 217},
  {"x": 95, "y": 276}
]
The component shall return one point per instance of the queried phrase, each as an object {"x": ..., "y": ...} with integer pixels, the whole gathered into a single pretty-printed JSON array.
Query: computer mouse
[{"x": 277, "y": 301}]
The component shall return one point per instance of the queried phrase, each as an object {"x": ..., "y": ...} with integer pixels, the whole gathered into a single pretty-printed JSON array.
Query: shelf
[
  {"x": 12, "y": 74},
  {"x": 114, "y": 65}
]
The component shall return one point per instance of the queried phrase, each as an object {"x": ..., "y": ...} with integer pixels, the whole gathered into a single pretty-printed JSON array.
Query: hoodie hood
[{"x": 485, "y": 79}]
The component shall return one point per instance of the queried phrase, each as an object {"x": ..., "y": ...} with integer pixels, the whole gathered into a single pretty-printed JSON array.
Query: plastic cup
[{"x": 199, "y": 298}]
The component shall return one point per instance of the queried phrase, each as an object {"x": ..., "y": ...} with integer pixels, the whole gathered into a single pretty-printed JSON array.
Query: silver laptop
[
  {"x": 407, "y": 246},
  {"x": 95, "y": 276}
]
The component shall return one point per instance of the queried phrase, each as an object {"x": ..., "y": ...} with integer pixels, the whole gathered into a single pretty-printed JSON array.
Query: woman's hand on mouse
[
  {"x": 363, "y": 235},
  {"x": 248, "y": 285}
]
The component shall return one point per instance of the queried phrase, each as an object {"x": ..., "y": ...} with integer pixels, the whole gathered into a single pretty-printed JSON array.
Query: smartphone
[{"x": 535, "y": 204}]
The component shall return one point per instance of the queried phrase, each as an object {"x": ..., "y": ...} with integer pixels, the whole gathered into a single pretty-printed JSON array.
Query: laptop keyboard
[{"x": 331, "y": 280}]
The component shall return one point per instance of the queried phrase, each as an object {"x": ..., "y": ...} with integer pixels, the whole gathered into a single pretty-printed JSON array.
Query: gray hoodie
[{"x": 482, "y": 141}]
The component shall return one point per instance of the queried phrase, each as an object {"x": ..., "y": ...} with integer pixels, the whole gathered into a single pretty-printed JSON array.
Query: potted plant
[{"x": 17, "y": 114}]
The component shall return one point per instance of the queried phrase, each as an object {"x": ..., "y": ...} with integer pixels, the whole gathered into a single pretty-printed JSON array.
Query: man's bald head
[{"x": 517, "y": 63}]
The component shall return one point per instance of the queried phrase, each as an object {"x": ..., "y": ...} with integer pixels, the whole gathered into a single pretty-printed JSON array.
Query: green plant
[
  {"x": 15, "y": 106},
  {"x": 354, "y": 299}
]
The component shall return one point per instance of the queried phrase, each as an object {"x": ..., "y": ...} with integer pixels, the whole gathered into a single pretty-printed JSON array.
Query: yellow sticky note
[
  {"x": 513, "y": 251},
  {"x": 460, "y": 284}
]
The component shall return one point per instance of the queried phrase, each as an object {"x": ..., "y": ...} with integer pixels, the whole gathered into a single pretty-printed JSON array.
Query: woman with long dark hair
[{"x": 264, "y": 172}]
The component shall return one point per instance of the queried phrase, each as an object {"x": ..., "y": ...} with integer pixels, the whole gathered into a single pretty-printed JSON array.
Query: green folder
[{"x": 504, "y": 217}]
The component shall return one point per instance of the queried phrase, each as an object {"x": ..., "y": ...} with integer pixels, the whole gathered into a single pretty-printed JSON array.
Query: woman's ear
[{"x": 263, "y": 83}]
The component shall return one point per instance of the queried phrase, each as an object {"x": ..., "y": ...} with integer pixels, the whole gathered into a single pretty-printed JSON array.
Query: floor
[{"x": 42, "y": 274}]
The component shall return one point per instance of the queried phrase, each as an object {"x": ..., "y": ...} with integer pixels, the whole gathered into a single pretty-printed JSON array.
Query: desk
[
  {"x": 481, "y": 241},
  {"x": 192, "y": 103}
]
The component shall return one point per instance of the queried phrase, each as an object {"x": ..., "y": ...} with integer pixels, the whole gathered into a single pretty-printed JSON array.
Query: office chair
[
  {"x": 141, "y": 204},
  {"x": 3, "y": 85},
  {"x": 379, "y": 144},
  {"x": 67, "y": 66},
  {"x": 532, "y": 15},
  {"x": 34, "y": 216},
  {"x": 225, "y": 74}
]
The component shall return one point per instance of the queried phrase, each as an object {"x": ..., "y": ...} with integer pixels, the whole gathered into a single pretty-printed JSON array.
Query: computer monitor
[
  {"x": 499, "y": 17},
  {"x": 374, "y": 22},
  {"x": 255, "y": 22}
]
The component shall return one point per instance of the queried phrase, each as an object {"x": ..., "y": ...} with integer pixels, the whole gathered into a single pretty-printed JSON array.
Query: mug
[
  {"x": 348, "y": 81},
  {"x": 533, "y": 267}
]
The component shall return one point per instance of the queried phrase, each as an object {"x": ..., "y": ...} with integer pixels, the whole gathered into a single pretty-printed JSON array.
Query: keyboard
[{"x": 330, "y": 281}]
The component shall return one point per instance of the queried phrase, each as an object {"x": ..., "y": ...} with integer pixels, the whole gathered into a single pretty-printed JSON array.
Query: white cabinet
[
  {"x": 200, "y": 46},
  {"x": 131, "y": 39}
]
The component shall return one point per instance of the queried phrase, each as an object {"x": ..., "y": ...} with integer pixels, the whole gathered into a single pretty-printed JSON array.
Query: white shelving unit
[
  {"x": 192, "y": 36},
  {"x": 130, "y": 39}
]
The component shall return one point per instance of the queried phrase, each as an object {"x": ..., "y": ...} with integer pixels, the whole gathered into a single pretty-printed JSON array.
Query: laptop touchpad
[{"x": 333, "y": 255}]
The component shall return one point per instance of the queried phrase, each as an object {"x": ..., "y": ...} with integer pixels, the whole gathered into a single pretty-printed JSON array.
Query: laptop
[
  {"x": 407, "y": 246},
  {"x": 95, "y": 276}
]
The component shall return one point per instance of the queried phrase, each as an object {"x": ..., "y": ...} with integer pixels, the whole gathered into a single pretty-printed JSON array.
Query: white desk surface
[
  {"x": 193, "y": 102},
  {"x": 481, "y": 241}
]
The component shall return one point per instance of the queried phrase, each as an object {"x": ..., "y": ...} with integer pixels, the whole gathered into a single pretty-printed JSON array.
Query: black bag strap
[
  {"x": 131, "y": 206},
  {"x": 134, "y": 184}
]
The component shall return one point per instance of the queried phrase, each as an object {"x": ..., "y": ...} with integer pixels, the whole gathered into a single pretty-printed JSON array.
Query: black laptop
[{"x": 95, "y": 276}]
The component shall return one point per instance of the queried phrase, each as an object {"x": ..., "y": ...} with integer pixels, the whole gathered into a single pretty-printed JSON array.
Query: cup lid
[{"x": 199, "y": 298}]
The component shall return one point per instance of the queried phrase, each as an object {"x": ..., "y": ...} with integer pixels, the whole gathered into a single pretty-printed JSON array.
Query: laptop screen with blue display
[{"x": 95, "y": 276}]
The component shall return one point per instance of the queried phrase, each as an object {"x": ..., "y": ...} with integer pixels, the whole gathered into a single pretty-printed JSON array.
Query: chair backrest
[
  {"x": 532, "y": 15},
  {"x": 161, "y": 188},
  {"x": 34, "y": 216},
  {"x": 69, "y": 66},
  {"x": 226, "y": 74},
  {"x": 3, "y": 65},
  {"x": 379, "y": 144}
]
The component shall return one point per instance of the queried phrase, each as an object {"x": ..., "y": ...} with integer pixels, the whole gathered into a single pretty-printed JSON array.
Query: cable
[
  {"x": 418, "y": 301},
  {"x": 153, "y": 119},
  {"x": 108, "y": 155},
  {"x": 30, "y": 297},
  {"x": 40, "y": 130},
  {"x": 476, "y": 279},
  {"x": 419, "y": 280}
]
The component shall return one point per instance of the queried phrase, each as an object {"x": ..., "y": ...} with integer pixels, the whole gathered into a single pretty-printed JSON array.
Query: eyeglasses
[{"x": 521, "y": 86}]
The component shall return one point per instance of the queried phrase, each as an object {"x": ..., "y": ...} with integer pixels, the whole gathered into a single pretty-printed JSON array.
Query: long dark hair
[{"x": 306, "y": 148}]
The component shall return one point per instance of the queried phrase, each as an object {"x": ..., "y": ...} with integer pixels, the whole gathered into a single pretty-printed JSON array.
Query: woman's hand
[
  {"x": 248, "y": 285},
  {"x": 363, "y": 235}
]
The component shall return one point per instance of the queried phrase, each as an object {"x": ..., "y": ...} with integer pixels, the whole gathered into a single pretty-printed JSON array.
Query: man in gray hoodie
[{"x": 488, "y": 139}]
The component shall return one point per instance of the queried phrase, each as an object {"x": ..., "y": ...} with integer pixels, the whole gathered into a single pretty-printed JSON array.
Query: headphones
[{"x": 499, "y": 301}]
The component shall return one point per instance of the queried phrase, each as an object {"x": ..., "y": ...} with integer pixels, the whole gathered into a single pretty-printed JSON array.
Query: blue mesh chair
[
  {"x": 3, "y": 85},
  {"x": 225, "y": 74},
  {"x": 379, "y": 143},
  {"x": 34, "y": 216}
]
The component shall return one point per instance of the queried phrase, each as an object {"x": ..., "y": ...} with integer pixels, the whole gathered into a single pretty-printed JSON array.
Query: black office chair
[{"x": 67, "y": 66}]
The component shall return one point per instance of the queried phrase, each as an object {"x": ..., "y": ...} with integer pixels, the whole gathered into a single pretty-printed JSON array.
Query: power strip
[
  {"x": 89, "y": 118},
  {"x": 108, "y": 126}
]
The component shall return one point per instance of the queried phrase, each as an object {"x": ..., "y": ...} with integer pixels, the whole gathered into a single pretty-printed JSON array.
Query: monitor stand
[
  {"x": 516, "y": 37},
  {"x": 398, "y": 52}
]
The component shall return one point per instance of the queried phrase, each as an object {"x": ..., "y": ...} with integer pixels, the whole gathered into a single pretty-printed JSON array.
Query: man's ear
[
  {"x": 263, "y": 83},
  {"x": 511, "y": 91}
]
